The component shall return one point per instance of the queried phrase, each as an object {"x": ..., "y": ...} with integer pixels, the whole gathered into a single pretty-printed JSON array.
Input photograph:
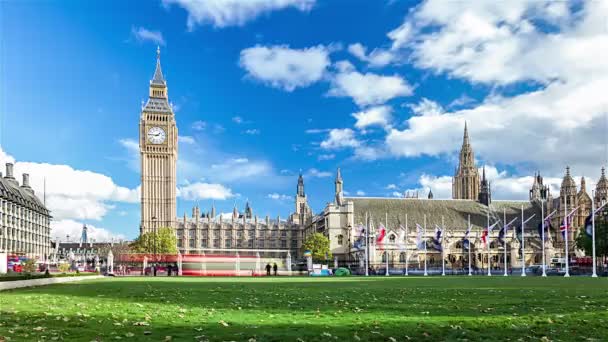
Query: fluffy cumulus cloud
[
  {"x": 223, "y": 13},
  {"x": 61, "y": 229},
  {"x": 72, "y": 193},
  {"x": 318, "y": 174},
  {"x": 340, "y": 138},
  {"x": 376, "y": 58},
  {"x": 283, "y": 67},
  {"x": 279, "y": 197},
  {"x": 369, "y": 88},
  {"x": 239, "y": 169},
  {"x": 204, "y": 191},
  {"x": 505, "y": 186},
  {"x": 559, "y": 49},
  {"x": 142, "y": 34},
  {"x": 373, "y": 116}
]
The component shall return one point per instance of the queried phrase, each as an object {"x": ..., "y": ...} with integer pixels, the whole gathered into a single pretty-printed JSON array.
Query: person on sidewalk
[{"x": 268, "y": 269}]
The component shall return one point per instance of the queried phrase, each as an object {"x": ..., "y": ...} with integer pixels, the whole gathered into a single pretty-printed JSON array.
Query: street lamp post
[{"x": 154, "y": 241}]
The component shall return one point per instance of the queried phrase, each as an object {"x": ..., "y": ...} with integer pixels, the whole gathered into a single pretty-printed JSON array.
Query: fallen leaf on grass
[{"x": 222, "y": 322}]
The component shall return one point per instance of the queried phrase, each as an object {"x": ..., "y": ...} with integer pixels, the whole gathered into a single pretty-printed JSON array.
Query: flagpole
[
  {"x": 424, "y": 237},
  {"x": 504, "y": 222},
  {"x": 566, "y": 236},
  {"x": 385, "y": 248},
  {"x": 488, "y": 241},
  {"x": 406, "y": 238},
  {"x": 366, "y": 263},
  {"x": 542, "y": 216},
  {"x": 523, "y": 246},
  {"x": 594, "y": 275},
  {"x": 469, "y": 227},
  {"x": 441, "y": 245}
]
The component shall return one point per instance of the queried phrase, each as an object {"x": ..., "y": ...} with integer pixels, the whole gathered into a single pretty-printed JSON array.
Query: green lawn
[{"x": 308, "y": 309}]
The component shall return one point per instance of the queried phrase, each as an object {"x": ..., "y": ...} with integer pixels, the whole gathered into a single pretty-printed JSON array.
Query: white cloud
[
  {"x": 397, "y": 194},
  {"x": 239, "y": 169},
  {"x": 60, "y": 229},
  {"x": 340, "y": 138},
  {"x": 426, "y": 107},
  {"x": 224, "y": 13},
  {"x": 141, "y": 34},
  {"x": 563, "y": 120},
  {"x": 199, "y": 125},
  {"x": 369, "y": 88},
  {"x": 328, "y": 156},
  {"x": 504, "y": 186},
  {"x": 376, "y": 58},
  {"x": 360, "y": 193},
  {"x": 202, "y": 191},
  {"x": 132, "y": 148},
  {"x": 283, "y": 67},
  {"x": 391, "y": 187},
  {"x": 318, "y": 174},
  {"x": 185, "y": 139},
  {"x": 237, "y": 120},
  {"x": 317, "y": 130},
  {"x": 252, "y": 131},
  {"x": 373, "y": 116},
  {"x": 72, "y": 193},
  {"x": 279, "y": 197}
]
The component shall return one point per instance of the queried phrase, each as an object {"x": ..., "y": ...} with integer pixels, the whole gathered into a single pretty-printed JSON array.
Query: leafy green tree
[
  {"x": 64, "y": 267},
  {"x": 29, "y": 266},
  {"x": 318, "y": 244},
  {"x": 584, "y": 242},
  {"x": 163, "y": 241}
]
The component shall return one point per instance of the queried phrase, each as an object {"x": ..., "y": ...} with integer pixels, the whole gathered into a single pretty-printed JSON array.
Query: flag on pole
[
  {"x": 465, "y": 241},
  {"x": 401, "y": 243},
  {"x": 381, "y": 235},
  {"x": 565, "y": 227},
  {"x": 438, "y": 238},
  {"x": 359, "y": 235},
  {"x": 589, "y": 225},
  {"x": 419, "y": 238},
  {"x": 486, "y": 232},
  {"x": 547, "y": 228}
]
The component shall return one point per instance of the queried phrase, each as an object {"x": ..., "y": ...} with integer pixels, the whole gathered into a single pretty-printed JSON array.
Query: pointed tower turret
[
  {"x": 339, "y": 188},
  {"x": 465, "y": 184},
  {"x": 485, "y": 194},
  {"x": 300, "y": 190},
  {"x": 213, "y": 214},
  {"x": 302, "y": 212},
  {"x": 248, "y": 211},
  {"x": 601, "y": 189},
  {"x": 430, "y": 194}
]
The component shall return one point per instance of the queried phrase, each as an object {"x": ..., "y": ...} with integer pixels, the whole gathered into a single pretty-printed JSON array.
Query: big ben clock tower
[{"x": 158, "y": 151}]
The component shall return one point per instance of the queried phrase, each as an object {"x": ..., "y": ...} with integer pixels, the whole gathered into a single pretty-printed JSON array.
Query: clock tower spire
[{"x": 158, "y": 152}]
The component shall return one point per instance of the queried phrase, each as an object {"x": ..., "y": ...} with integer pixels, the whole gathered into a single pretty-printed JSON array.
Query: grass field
[{"x": 305, "y": 309}]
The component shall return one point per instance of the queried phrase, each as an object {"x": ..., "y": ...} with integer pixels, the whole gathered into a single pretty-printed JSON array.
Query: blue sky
[{"x": 264, "y": 89}]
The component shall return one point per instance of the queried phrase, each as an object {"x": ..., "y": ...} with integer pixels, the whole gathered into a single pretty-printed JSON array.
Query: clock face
[{"x": 156, "y": 135}]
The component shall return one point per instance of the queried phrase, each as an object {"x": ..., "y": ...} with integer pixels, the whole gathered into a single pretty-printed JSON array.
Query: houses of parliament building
[{"x": 341, "y": 219}]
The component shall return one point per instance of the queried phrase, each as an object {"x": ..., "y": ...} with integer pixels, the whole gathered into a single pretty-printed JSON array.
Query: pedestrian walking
[
  {"x": 268, "y": 269},
  {"x": 275, "y": 268}
]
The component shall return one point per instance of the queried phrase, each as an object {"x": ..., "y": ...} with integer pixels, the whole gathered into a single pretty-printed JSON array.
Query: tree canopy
[
  {"x": 163, "y": 241},
  {"x": 583, "y": 241},
  {"x": 318, "y": 244}
]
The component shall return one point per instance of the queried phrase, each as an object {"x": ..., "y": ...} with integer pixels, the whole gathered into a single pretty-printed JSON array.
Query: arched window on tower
[
  {"x": 340, "y": 240},
  {"x": 392, "y": 239}
]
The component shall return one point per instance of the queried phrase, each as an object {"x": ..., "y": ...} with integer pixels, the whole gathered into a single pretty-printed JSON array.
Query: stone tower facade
[
  {"x": 303, "y": 213},
  {"x": 158, "y": 151},
  {"x": 601, "y": 189},
  {"x": 465, "y": 184},
  {"x": 485, "y": 193}
]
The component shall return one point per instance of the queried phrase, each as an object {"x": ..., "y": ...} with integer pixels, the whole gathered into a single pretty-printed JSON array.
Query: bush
[
  {"x": 29, "y": 266},
  {"x": 64, "y": 268}
]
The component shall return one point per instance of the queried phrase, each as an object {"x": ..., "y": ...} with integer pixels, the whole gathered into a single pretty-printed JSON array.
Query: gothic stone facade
[
  {"x": 342, "y": 219},
  {"x": 207, "y": 232},
  {"x": 24, "y": 220}
]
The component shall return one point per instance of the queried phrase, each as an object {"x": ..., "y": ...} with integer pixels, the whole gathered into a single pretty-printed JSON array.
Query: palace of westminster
[{"x": 25, "y": 221}]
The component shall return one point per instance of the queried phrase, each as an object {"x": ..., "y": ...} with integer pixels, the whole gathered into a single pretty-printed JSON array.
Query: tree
[
  {"x": 318, "y": 244},
  {"x": 64, "y": 267},
  {"x": 29, "y": 266},
  {"x": 163, "y": 241},
  {"x": 584, "y": 242}
]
